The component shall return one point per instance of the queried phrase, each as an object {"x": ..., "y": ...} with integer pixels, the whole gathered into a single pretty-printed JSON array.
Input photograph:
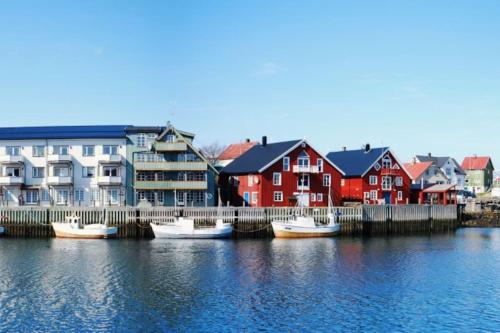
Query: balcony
[
  {"x": 110, "y": 159},
  {"x": 389, "y": 172},
  {"x": 11, "y": 181},
  {"x": 171, "y": 166},
  {"x": 109, "y": 180},
  {"x": 170, "y": 146},
  {"x": 171, "y": 185},
  {"x": 60, "y": 180},
  {"x": 305, "y": 169},
  {"x": 53, "y": 158},
  {"x": 15, "y": 159}
]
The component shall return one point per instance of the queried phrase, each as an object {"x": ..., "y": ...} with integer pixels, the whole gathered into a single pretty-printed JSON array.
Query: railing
[
  {"x": 171, "y": 166},
  {"x": 171, "y": 185},
  {"x": 11, "y": 180},
  {"x": 305, "y": 169},
  {"x": 107, "y": 159},
  {"x": 11, "y": 159},
  {"x": 109, "y": 180},
  {"x": 170, "y": 146},
  {"x": 389, "y": 172},
  {"x": 59, "y": 180},
  {"x": 54, "y": 158}
]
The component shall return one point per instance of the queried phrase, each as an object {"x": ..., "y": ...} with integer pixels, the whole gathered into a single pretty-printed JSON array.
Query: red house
[
  {"x": 280, "y": 174},
  {"x": 372, "y": 176}
]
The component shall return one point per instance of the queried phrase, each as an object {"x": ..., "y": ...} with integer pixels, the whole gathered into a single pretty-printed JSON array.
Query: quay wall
[{"x": 247, "y": 222}]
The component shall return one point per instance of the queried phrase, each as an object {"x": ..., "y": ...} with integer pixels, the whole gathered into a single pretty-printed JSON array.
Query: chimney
[
  {"x": 429, "y": 154},
  {"x": 247, "y": 140},
  {"x": 367, "y": 148},
  {"x": 264, "y": 141},
  {"x": 344, "y": 148},
  {"x": 414, "y": 160}
]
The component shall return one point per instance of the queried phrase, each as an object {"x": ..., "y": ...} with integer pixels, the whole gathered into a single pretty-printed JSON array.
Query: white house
[
  {"x": 64, "y": 165},
  {"x": 450, "y": 167}
]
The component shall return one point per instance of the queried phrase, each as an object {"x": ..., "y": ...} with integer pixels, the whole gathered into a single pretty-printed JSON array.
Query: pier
[{"x": 247, "y": 222}]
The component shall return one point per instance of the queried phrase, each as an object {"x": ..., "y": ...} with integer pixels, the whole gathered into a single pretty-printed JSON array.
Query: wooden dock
[{"x": 247, "y": 222}]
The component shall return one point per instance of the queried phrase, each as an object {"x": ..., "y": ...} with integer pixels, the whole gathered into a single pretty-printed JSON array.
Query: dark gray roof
[
  {"x": 355, "y": 163},
  {"x": 258, "y": 157},
  {"x": 63, "y": 132},
  {"x": 440, "y": 161}
]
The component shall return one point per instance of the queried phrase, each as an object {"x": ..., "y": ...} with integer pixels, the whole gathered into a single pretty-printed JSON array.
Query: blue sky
[{"x": 420, "y": 76}]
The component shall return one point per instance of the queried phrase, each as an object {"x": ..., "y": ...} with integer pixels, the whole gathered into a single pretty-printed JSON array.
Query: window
[
  {"x": 62, "y": 197},
  {"x": 327, "y": 180},
  {"x": 110, "y": 150},
  {"x": 399, "y": 181},
  {"x": 373, "y": 195},
  {"x": 448, "y": 172},
  {"x": 255, "y": 197},
  {"x": 32, "y": 197},
  {"x": 386, "y": 162},
  {"x": 342, "y": 182},
  {"x": 373, "y": 180},
  {"x": 141, "y": 140},
  {"x": 13, "y": 150},
  {"x": 88, "y": 151},
  {"x": 38, "y": 172},
  {"x": 12, "y": 172},
  {"x": 250, "y": 180},
  {"x": 38, "y": 151},
  {"x": 79, "y": 195},
  {"x": 60, "y": 150},
  {"x": 319, "y": 163},
  {"x": 95, "y": 194},
  {"x": 366, "y": 195},
  {"x": 277, "y": 179},
  {"x": 377, "y": 166},
  {"x": 303, "y": 181},
  {"x": 114, "y": 196},
  {"x": 303, "y": 161},
  {"x": 286, "y": 163},
  {"x": 88, "y": 172},
  {"x": 45, "y": 195},
  {"x": 319, "y": 197},
  {"x": 170, "y": 138},
  {"x": 313, "y": 197},
  {"x": 110, "y": 171},
  {"x": 386, "y": 183},
  {"x": 160, "y": 197},
  {"x": 400, "y": 195},
  {"x": 61, "y": 171},
  {"x": 278, "y": 196}
]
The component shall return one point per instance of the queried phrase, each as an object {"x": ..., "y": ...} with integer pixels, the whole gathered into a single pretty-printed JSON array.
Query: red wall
[
  {"x": 354, "y": 188},
  {"x": 289, "y": 181}
]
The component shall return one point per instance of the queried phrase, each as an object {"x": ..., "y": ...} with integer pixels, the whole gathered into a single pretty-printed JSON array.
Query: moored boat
[
  {"x": 73, "y": 228},
  {"x": 301, "y": 225}
]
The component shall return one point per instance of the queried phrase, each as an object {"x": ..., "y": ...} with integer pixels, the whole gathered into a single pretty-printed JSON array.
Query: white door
[{"x": 303, "y": 200}]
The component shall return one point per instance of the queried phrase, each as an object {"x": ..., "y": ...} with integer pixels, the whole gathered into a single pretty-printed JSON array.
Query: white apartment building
[{"x": 67, "y": 166}]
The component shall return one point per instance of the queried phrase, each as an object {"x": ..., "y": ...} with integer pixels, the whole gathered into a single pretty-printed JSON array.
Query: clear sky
[{"x": 420, "y": 76}]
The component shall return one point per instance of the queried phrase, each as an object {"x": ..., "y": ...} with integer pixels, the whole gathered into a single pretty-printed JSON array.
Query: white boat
[
  {"x": 301, "y": 225},
  {"x": 73, "y": 228},
  {"x": 183, "y": 227}
]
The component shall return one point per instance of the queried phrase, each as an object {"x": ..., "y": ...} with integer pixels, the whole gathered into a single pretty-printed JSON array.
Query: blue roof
[
  {"x": 258, "y": 157},
  {"x": 64, "y": 132},
  {"x": 355, "y": 163}
]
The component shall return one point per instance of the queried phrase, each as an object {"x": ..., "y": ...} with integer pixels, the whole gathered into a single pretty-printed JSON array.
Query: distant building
[
  {"x": 234, "y": 151},
  {"x": 372, "y": 176},
  {"x": 167, "y": 170},
  {"x": 495, "y": 192},
  {"x": 479, "y": 169},
  {"x": 424, "y": 175},
  {"x": 449, "y": 166},
  {"x": 281, "y": 174}
]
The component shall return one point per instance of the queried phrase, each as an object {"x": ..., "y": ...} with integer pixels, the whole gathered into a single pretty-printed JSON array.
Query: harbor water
[{"x": 446, "y": 282}]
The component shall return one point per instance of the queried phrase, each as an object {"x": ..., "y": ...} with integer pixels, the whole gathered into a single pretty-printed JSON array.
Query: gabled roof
[
  {"x": 440, "y": 162},
  {"x": 439, "y": 188},
  {"x": 235, "y": 150},
  {"x": 259, "y": 157},
  {"x": 476, "y": 162},
  {"x": 417, "y": 169},
  {"x": 64, "y": 132},
  {"x": 356, "y": 162}
]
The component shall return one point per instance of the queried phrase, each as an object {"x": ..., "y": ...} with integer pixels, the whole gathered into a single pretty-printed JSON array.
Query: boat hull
[
  {"x": 287, "y": 230},
  {"x": 175, "y": 232},
  {"x": 64, "y": 230}
]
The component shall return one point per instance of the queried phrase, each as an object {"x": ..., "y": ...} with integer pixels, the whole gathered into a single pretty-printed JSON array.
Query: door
[
  {"x": 303, "y": 200},
  {"x": 387, "y": 198},
  {"x": 246, "y": 199}
]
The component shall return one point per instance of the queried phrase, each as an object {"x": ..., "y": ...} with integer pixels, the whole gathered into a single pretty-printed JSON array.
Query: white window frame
[
  {"x": 342, "y": 182},
  {"x": 320, "y": 164},
  {"x": 398, "y": 181},
  {"x": 32, "y": 197},
  {"x": 313, "y": 197},
  {"x": 254, "y": 198},
  {"x": 327, "y": 180},
  {"x": 79, "y": 195},
  {"x": 299, "y": 183},
  {"x": 319, "y": 197},
  {"x": 85, "y": 172},
  {"x": 377, "y": 166},
  {"x": 112, "y": 149},
  {"x": 38, "y": 175},
  {"x": 366, "y": 195},
  {"x": 386, "y": 186},
  {"x": 60, "y": 150},
  {"x": 35, "y": 151},
  {"x": 387, "y": 162},
  {"x": 278, "y": 196},
  {"x": 141, "y": 140},
  {"x": 373, "y": 195},
  {"x": 13, "y": 150},
  {"x": 286, "y": 163},
  {"x": 250, "y": 180},
  {"x": 86, "y": 149},
  {"x": 400, "y": 195},
  {"x": 373, "y": 180},
  {"x": 278, "y": 182}
]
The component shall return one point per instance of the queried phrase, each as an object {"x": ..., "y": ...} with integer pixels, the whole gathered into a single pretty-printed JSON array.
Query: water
[{"x": 425, "y": 283}]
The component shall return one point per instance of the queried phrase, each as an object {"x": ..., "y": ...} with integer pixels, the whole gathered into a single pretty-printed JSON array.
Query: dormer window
[
  {"x": 170, "y": 138},
  {"x": 303, "y": 160},
  {"x": 386, "y": 162}
]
